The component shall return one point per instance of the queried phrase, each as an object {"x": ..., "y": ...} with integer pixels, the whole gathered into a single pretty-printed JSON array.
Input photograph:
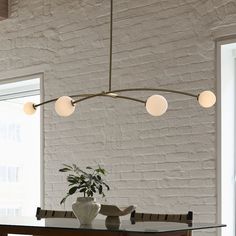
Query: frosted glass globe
[
  {"x": 156, "y": 105},
  {"x": 207, "y": 99},
  {"x": 64, "y": 106},
  {"x": 29, "y": 108}
]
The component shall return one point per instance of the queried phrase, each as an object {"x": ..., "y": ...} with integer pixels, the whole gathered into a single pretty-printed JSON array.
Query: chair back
[
  {"x": 40, "y": 213},
  {"x": 178, "y": 218}
]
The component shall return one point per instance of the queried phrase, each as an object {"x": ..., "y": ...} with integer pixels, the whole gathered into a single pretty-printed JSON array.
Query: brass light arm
[
  {"x": 107, "y": 94},
  {"x": 89, "y": 96},
  {"x": 42, "y": 103},
  {"x": 132, "y": 89},
  {"x": 132, "y": 99},
  {"x": 54, "y": 99},
  {"x": 154, "y": 89}
]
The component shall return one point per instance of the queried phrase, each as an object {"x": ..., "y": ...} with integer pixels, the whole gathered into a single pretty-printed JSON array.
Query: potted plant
[{"x": 86, "y": 182}]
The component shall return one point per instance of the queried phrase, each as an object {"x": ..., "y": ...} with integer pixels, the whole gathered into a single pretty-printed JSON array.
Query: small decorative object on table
[
  {"x": 113, "y": 213},
  {"x": 87, "y": 183}
]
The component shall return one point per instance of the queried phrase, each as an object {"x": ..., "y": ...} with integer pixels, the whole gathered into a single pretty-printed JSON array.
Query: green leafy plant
[{"x": 85, "y": 182}]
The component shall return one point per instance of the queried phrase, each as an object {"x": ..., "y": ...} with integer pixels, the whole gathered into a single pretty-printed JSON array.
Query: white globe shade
[
  {"x": 29, "y": 108},
  {"x": 64, "y": 106},
  {"x": 156, "y": 105},
  {"x": 207, "y": 99}
]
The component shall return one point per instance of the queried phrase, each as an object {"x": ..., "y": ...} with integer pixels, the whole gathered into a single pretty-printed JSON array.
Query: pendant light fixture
[{"x": 156, "y": 105}]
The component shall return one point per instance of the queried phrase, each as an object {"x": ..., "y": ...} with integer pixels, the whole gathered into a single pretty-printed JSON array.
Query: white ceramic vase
[{"x": 86, "y": 209}]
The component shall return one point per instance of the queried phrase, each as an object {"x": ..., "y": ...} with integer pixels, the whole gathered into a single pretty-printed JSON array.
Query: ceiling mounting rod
[{"x": 111, "y": 36}]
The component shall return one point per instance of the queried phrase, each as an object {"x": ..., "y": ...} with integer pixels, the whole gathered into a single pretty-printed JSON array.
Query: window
[
  {"x": 20, "y": 149},
  {"x": 226, "y": 135}
]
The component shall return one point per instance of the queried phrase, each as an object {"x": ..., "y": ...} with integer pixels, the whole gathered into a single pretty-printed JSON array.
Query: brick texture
[{"x": 165, "y": 164}]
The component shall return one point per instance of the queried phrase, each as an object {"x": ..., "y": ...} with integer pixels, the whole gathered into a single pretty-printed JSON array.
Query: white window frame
[
  {"x": 219, "y": 43},
  {"x": 41, "y": 79}
]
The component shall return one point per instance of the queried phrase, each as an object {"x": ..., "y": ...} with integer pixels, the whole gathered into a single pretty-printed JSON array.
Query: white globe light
[
  {"x": 29, "y": 108},
  {"x": 156, "y": 105},
  {"x": 64, "y": 106},
  {"x": 207, "y": 99}
]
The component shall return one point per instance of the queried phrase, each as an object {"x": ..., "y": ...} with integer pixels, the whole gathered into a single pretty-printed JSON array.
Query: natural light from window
[
  {"x": 227, "y": 142},
  {"x": 20, "y": 149}
]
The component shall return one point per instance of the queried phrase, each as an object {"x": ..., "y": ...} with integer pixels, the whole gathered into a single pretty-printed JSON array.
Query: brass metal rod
[
  {"x": 110, "y": 52},
  {"x": 42, "y": 103},
  {"x": 123, "y": 97},
  {"x": 81, "y": 95},
  {"x": 54, "y": 99},
  {"x": 105, "y": 94},
  {"x": 144, "y": 89},
  {"x": 154, "y": 89},
  {"x": 129, "y": 98},
  {"x": 88, "y": 96}
]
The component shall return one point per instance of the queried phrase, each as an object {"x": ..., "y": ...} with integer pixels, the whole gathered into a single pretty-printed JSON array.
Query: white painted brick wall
[{"x": 164, "y": 164}]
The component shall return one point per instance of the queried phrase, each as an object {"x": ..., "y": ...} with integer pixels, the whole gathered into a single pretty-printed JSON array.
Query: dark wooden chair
[
  {"x": 135, "y": 217},
  {"x": 178, "y": 218},
  {"x": 40, "y": 213}
]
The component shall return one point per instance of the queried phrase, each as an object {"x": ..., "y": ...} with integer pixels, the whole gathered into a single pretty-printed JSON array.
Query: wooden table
[{"x": 71, "y": 227}]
